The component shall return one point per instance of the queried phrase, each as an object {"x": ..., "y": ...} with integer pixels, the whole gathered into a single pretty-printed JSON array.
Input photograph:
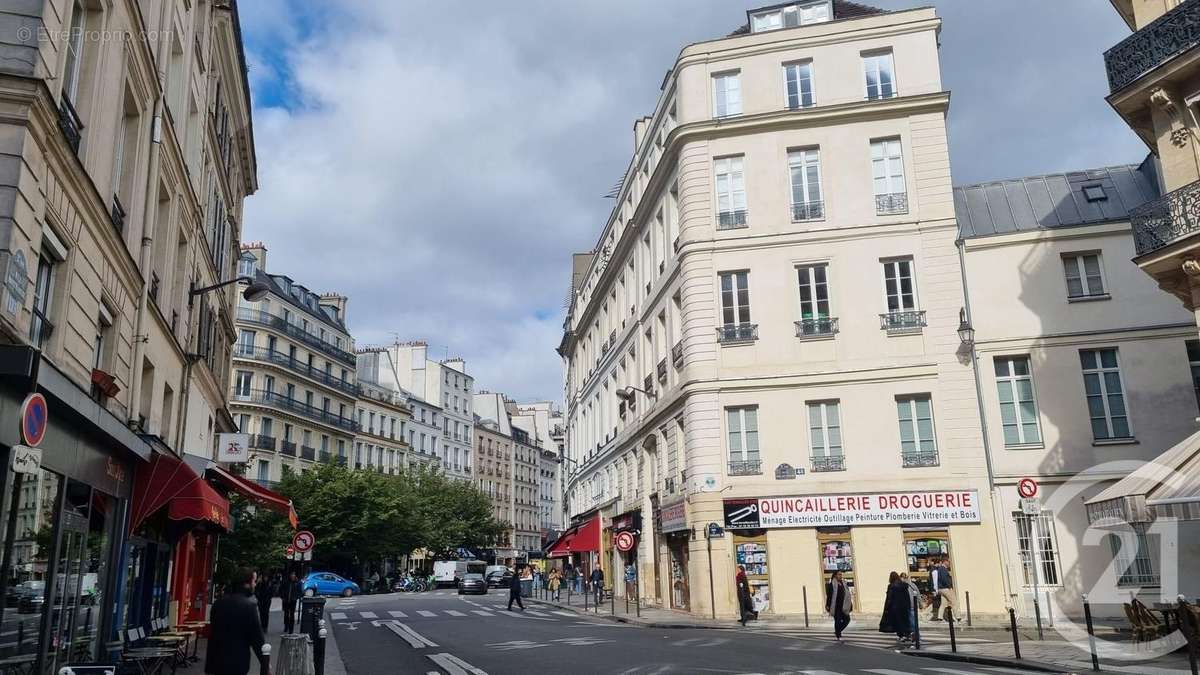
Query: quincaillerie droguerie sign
[{"x": 879, "y": 508}]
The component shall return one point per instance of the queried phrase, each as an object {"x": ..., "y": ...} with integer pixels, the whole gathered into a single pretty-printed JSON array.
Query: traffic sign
[
  {"x": 625, "y": 541},
  {"x": 35, "y": 417},
  {"x": 1030, "y": 506},
  {"x": 1027, "y": 488},
  {"x": 303, "y": 541},
  {"x": 290, "y": 551}
]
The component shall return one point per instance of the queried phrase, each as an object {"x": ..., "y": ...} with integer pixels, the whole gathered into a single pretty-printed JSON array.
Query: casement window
[
  {"x": 731, "y": 192},
  {"x": 879, "y": 74},
  {"x": 242, "y": 383},
  {"x": 798, "y": 83},
  {"x": 1085, "y": 275},
  {"x": 1018, "y": 405},
  {"x": 825, "y": 429},
  {"x": 246, "y": 265},
  {"x": 805, "y": 169},
  {"x": 1042, "y": 560},
  {"x": 264, "y": 470},
  {"x": 741, "y": 425},
  {"x": 899, "y": 285},
  {"x": 243, "y": 423},
  {"x": 917, "y": 444},
  {"x": 735, "y": 307},
  {"x": 266, "y": 426},
  {"x": 798, "y": 14},
  {"x": 40, "y": 327},
  {"x": 1193, "y": 354},
  {"x": 1133, "y": 559},
  {"x": 1105, "y": 394},
  {"x": 727, "y": 95},
  {"x": 815, "y": 319},
  {"x": 74, "y": 47},
  {"x": 887, "y": 174},
  {"x": 245, "y": 346}
]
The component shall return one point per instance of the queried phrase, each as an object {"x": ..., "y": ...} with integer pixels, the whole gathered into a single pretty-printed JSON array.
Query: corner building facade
[{"x": 776, "y": 296}]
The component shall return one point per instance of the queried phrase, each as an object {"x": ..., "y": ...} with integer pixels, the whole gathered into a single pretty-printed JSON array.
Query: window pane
[{"x": 1108, "y": 358}]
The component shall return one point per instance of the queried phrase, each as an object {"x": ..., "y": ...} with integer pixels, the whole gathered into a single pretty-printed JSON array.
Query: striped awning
[{"x": 1166, "y": 487}]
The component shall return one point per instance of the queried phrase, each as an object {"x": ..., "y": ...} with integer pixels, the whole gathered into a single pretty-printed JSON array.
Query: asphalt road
[{"x": 442, "y": 633}]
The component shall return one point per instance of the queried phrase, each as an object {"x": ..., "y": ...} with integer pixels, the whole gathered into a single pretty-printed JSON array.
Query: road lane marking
[
  {"x": 455, "y": 665},
  {"x": 397, "y": 614},
  {"x": 412, "y": 637},
  {"x": 886, "y": 671},
  {"x": 482, "y": 612},
  {"x": 570, "y": 614},
  {"x": 515, "y": 644},
  {"x": 368, "y": 615},
  {"x": 426, "y": 613},
  {"x": 534, "y": 612},
  {"x": 337, "y": 616},
  {"x": 952, "y": 671},
  {"x": 454, "y": 612},
  {"x": 523, "y": 616}
]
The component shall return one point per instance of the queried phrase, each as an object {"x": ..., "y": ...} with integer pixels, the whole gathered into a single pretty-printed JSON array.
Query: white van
[{"x": 450, "y": 572}]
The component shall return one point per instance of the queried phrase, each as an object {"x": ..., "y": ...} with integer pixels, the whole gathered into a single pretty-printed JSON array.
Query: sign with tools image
[{"x": 879, "y": 508}]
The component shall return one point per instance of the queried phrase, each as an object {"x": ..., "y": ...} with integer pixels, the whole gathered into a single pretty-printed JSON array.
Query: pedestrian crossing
[
  {"x": 485, "y": 610},
  {"x": 869, "y": 639}
]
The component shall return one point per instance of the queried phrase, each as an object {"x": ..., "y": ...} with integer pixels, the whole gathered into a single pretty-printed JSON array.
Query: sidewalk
[{"x": 333, "y": 658}]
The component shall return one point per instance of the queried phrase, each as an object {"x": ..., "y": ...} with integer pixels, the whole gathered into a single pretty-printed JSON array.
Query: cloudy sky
[{"x": 439, "y": 161}]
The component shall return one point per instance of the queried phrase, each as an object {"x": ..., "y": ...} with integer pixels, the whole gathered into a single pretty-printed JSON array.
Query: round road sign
[
  {"x": 1027, "y": 488},
  {"x": 303, "y": 541},
  {"x": 625, "y": 541},
  {"x": 35, "y": 416},
  {"x": 290, "y": 550}
]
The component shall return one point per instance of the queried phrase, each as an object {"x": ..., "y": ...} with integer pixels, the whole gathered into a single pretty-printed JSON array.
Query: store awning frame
[
  {"x": 256, "y": 493},
  {"x": 1166, "y": 487},
  {"x": 171, "y": 482},
  {"x": 580, "y": 538},
  {"x": 200, "y": 502}
]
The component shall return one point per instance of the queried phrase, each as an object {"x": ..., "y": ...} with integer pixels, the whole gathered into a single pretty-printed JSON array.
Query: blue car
[{"x": 328, "y": 583}]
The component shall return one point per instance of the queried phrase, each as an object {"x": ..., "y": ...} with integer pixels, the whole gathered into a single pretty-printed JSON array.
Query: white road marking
[
  {"x": 426, "y": 613},
  {"x": 454, "y": 612},
  {"x": 515, "y": 644},
  {"x": 886, "y": 671},
  {"x": 412, "y": 637},
  {"x": 455, "y": 665},
  {"x": 397, "y": 614},
  {"x": 350, "y": 625},
  {"x": 952, "y": 671},
  {"x": 368, "y": 615},
  {"x": 482, "y": 612},
  {"x": 534, "y": 612},
  {"x": 580, "y": 641},
  {"x": 564, "y": 613},
  {"x": 1011, "y": 671},
  {"x": 337, "y": 616}
]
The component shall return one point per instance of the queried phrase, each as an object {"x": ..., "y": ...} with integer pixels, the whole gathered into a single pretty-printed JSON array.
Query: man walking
[
  {"x": 598, "y": 584},
  {"x": 943, "y": 588},
  {"x": 263, "y": 593},
  {"x": 514, "y": 591},
  {"x": 290, "y": 594},
  {"x": 235, "y": 631}
]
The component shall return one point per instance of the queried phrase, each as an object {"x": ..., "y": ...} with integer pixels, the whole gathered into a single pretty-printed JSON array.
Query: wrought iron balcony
[
  {"x": 266, "y": 355},
  {"x": 730, "y": 220},
  {"x": 278, "y": 323},
  {"x": 282, "y": 402},
  {"x": 117, "y": 215},
  {"x": 808, "y": 211},
  {"x": 747, "y": 467},
  {"x": 40, "y": 329},
  {"x": 308, "y": 453},
  {"x": 68, "y": 121},
  {"x": 1168, "y": 219},
  {"x": 325, "y": 457},
  {"x": 261, "y": 442},
  {"x": 677, "y": 354},
  {"x": 662, "y": 371},
  {"x": 910, "y": 321},
  {"x": 1156, "y": 43},
  {"x": 822, "y": 326},
  {"x": 831, "y": 463},
  {"x": 341, "y": 460},
  {"x": 891, "y": 204},
  {"x": 737, "y": 332},
  {"x": 919, "y": 458},
  {"x": 287, "y": 448}
]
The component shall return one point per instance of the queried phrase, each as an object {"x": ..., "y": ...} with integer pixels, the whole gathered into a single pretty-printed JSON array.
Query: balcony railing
[
  {"x": 267, "y": 355},
  {"x": 40, "y": 329},
  {"x": 890, "y": 204},
  {"x": 308, "y": 453},
  {"x": 808, "y": 211},
  {"x": 68, "y": 121},
  {"x": 677, "y": 354},
  {"x": 282, "y": 402},
  {"x": 287, "y": 448},
  {"x": 341, "y": 460},
  {"x": 746, "y": 467},
  {"x": 261, "y": 442},
  {"x": 278, "y": 323},
  {"x": 324, "y": 456},
  {"x": 1157, "y": 42},
  {"x": 910, "y": 321},
  {"x": 737, "y": 332},
  {"x": 1165, "y": 220},
  {"x": 117, "y": 215},
  {"x": 831, "y": 463},
  {"x": 919, "y": 458},
  {"x": 648, "y": 385},
  {"x": 730, "y": 220},
  {"x": 822, "y": 326},
  {"x": 662, "y": 371}
]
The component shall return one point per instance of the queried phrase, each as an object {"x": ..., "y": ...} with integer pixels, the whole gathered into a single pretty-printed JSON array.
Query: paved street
[{"x": 441, "y": 632}]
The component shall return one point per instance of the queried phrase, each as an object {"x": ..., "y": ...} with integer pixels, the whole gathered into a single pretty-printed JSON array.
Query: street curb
[
  {"x": 988, "y": 661},
  {"x": 630, "y": 620},
  {"x": 333, "y": 657}
]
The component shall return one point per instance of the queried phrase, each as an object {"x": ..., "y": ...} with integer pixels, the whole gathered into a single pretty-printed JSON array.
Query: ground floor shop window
[
  {"x": 28, "y": 566},
  {"x": 1038, "y": 548},
  {"x": 677, "y": 546},
  {"x": 922, "y": 549},
  {"x": 837, "y": 555},
  {"x": 1132, "y": 557},
  {"x": 751, "y": 553}
]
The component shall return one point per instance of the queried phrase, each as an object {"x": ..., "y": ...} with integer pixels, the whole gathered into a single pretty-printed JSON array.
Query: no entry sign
[
  {"x": 625, "y": 541},
  {"x": 303, "y": 541},
  {"x": 1027, "y": 488}
]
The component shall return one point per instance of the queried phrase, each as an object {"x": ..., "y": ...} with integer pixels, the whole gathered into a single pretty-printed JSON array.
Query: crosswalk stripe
[
  {"x": 886, "y": 671},
  {"x": 482, "y": 612},
  {"x": 454, "y": 612},
  {"x": 397, "y": 614},
  {"x": 426, "y": 613},
  {"x": 565, "y": 613},
  {"x": 337, "y": 616},
  {"x": 952, "y": 671},
  {"x": 368, "y": 615},
  {"x": 534, "y": 612},
  {"x": 1008, "y": 671}
]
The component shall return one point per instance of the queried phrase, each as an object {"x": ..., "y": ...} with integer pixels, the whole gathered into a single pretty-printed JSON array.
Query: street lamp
[
  {"x": 255, "y": 290},
  {"x": 627, "y": 394},
  {"x": 966, "y": 333}
]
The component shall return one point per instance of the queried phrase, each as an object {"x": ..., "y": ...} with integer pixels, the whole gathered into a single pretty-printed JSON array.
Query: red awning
[
  {"x": 255, "y": 492},
  {"x": 582, "y": 537},
  {"x": 199, "y": 501}
]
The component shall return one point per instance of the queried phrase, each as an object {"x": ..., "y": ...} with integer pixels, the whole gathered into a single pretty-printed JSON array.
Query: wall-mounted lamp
[{"x": 966, "y": 333}]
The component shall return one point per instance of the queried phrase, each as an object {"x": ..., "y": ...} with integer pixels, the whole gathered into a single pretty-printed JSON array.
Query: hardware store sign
[{"x": 880, "y": 508}]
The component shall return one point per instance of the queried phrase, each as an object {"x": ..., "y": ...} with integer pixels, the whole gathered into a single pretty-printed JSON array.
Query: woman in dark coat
[
  {"x": 896, "y": 608},
  {"x": 838, "y": 603},
  {"x": 745, "y": 600}
]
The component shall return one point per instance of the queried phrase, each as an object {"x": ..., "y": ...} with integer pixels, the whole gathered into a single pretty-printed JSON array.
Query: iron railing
[
  {"x": 830, "y": 463},
  {"x": 1165, "y": 220},
  {"x": 308, "y": 453},
  {"x": 262, "y": 442},
  {"x": 662, "y": 371},
  {"x": 325, "y": 456},
  {"x": 893, "y": 203},
  {"x": 649, "y": 385},
  {"x": 267, "y": 355},
  {"x": 919, "y": 458},
  {"x": 822, "y": 326},
  {"x": 677, "y": 354},
  {"x": 287, "y": 448},
  {"x": 278, "y": 323},
  {"x": 902, "y": 322},
  {"x": 282, "y": 402},
  {"x": 1159, "y": 41},
  {"x": 69, "y": 122},
  {"x": 117, "y": 215},
  {"x": 808, "y": 211},
  {"x": 728, "y": 220},
  {"x": 745, "y": 467},
  {"x": 737, "y": 332}
]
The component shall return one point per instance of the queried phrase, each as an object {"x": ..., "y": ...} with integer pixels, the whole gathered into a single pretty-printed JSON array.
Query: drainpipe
[{"x": 997, "y": 512}]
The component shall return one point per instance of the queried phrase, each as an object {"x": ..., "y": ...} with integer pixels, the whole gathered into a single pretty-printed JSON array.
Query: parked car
[
  {"x": 26, "y": 588},
  {"x": 498, "y": 576},
  {"x": 328, "y": 583},
  {"x": 472, "y": 582}
]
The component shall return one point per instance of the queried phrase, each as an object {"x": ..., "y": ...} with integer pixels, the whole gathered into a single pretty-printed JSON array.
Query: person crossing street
[
  {"x": 598, "y": 584},
  {"x": 514, "y": 591}
]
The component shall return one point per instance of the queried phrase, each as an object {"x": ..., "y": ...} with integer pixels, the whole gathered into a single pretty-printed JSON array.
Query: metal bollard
[
  {"x": 1037, "y": 616},
  {"x": 950, "y": 619},
  {"x": 570, "y": 585},
  {"x": 1087, "y": 617},
  {"x": 1012, "y": 621},
  {"x": 804, "y": 593},
  {"x": 612, "y": 603},
  {"x": 626, "y": 597},
  {"x": 968, "y": 609},
  {"x": 1050, "y": 612},
  {"x": 319, "y": 648},
  {"x": 586, "y": 592},
  {"x": 917, "y": 629},
  {"x": 264, "y": 664}
]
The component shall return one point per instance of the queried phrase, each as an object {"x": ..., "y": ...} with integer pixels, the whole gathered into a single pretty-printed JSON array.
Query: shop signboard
[
  {"x": 673, "y": 516},
  {"x": 878, "y": 508},
  {"x": 233, "y": 448}
]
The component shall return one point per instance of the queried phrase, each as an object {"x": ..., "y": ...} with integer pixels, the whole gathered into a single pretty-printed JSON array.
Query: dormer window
[{"x": 791, "y": 15}]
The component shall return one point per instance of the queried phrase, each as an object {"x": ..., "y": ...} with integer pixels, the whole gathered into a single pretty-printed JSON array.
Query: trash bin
[{"x": 311, "y": 612}]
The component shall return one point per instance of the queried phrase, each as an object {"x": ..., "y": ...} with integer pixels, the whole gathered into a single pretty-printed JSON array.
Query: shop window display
[
  {"x": 751, "y": 553},
  {"x": 922, "y": 548},
  {"x": 837, "y": 555}
]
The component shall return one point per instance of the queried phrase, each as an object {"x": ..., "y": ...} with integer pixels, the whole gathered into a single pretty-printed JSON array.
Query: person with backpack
[{"x": 942, "y": 583}]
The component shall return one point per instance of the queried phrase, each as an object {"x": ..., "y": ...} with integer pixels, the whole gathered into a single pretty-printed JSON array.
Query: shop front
[
  {"x": 579, "y": 546},
  {"x": 672, "y": 521},
  {"x": 623, "y": 538}
]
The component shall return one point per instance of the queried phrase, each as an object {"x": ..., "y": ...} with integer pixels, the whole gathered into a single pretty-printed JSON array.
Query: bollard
[
  {"x": 968, "y": 609},
  {"x": 950, "y": 619},
  {"x": 804, "y": 592},
  {"x": 570, "y": 585},
  {"x": 586, "y": 592},
  {"x": 1012, "y": 621},
  {"x": 1050, "y": 612},
  {"x": 1037, "y": 616},
  {"x": 626, "y": 597},
  {"x": 319, "y": 649},
  {"x": 917, "y": 629},
  {"x": 612, "y": 603},
  {"x": 1087, "y": 617},
  {"x": 264, "y": 663}
]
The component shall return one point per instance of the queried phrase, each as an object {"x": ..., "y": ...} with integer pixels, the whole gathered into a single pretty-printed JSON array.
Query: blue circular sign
[{"x": 35, "y": 416}]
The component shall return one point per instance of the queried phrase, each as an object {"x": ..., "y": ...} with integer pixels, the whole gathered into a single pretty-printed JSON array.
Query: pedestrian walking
[
  {"x": 839, "y": 603},
  {"x": 943, "y": 589},
  {"x": 556, "y": 584},
  {"x": 914, "y": 598},
  {"x": 234, "y": 629},
  {"x": 745, "y": 599},
  {"x": 598, "y": 584},
  {"x": 896, "y": 606},
  {"x": 263, "y": 594},
  {"x": 290, "y": 594},
  {"x": 514, "y": 592}
]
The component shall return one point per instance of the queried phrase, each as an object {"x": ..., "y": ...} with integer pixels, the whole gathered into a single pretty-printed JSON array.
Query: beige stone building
[
  {"x": 494, "y": 477},
  {"x": 775, "y": 298},
  {"x": 382, "y": 417}
]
